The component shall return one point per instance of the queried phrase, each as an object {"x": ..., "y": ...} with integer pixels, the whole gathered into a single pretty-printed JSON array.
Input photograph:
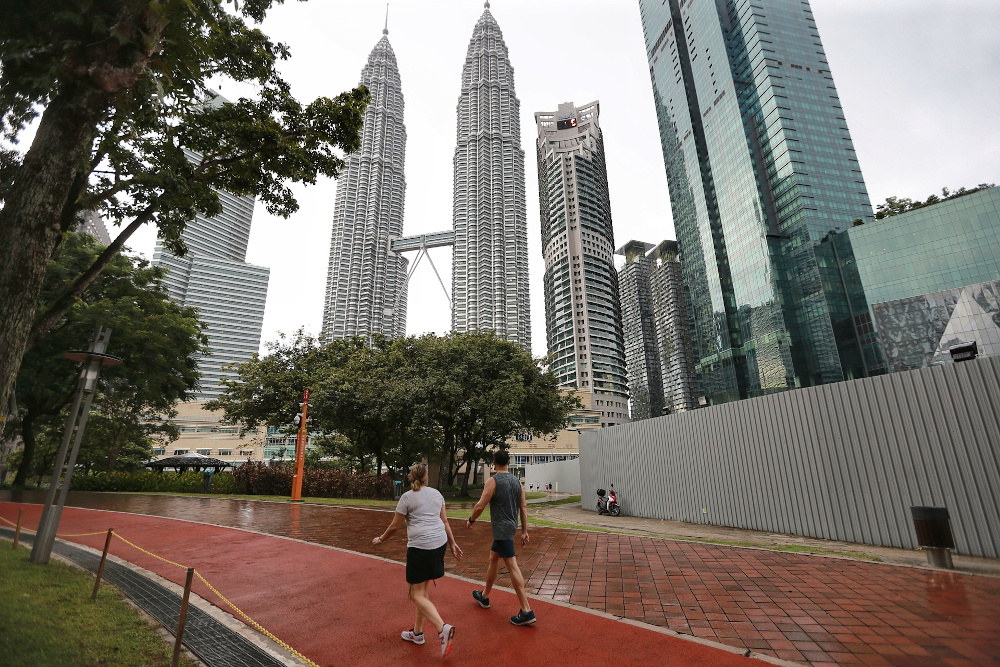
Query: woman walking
[{"x": 428, "y": 534}]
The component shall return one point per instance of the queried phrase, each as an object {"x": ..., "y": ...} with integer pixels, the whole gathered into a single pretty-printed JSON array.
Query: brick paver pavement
[{"x": 796, "y": 607}]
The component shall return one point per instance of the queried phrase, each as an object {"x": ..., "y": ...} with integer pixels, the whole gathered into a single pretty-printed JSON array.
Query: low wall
[
  {"x": 563, "y": 475},
  {"x": 844, "y": 461}
]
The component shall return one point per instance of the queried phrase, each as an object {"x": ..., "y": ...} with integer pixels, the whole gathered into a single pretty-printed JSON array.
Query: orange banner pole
[{"x": 300, "y": 451}]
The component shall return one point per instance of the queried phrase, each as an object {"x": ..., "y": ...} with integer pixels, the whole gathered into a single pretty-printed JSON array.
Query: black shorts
[
  {"x": 503, "y": 547},
  {"x": 424, "y": 564}
]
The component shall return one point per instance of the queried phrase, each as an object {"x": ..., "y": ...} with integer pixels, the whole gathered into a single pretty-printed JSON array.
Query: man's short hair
[{"x": 501, "y": 458}]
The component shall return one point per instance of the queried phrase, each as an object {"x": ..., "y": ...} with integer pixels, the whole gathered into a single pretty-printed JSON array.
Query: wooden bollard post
[
  {"x": 183, "y": 618},
  {"x": 17, "y": 530},
  {"x": 104, "y": 558}
]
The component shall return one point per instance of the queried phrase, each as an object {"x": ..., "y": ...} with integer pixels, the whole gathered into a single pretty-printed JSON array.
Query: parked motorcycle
[{"x": 607, "y": 502}]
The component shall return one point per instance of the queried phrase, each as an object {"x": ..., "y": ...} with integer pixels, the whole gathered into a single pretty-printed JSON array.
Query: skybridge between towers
[{"x": 420, "y": 244}]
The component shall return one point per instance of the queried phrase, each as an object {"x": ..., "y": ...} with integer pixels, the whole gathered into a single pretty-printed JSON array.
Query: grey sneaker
[
  {"x": 483, "y": 602},
  {"x": 447, "y": 635},
  {"x": 523, "y": 618},
  {"x": 411, "y": 636}
]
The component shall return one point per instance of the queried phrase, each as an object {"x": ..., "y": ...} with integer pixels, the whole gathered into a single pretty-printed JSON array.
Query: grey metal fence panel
[{"x": 844, "y": 461}]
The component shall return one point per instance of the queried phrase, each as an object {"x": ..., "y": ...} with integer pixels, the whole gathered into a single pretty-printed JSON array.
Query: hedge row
[
  {"x": 252, "y": 478},
  {"x": 256, "y": 478},
  {"x": 148, "y": 481}
]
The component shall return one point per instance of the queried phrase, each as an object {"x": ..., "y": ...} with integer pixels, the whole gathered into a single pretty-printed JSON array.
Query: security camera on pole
[{"x": 300, "y": 448}]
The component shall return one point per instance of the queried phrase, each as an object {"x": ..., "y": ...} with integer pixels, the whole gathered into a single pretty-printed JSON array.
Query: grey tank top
[{"x": 505, "y": 506}]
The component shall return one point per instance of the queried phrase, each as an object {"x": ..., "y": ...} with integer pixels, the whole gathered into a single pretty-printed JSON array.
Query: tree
[
  {"x": 482, "y": 391},
  {"x": 451, "y": 399},
  {"x": 158, "y": 341},
  {"x": 127, "y": 126}
]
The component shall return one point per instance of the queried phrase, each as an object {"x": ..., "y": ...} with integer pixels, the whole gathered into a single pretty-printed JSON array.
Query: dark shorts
[
  {"x": 503, "y": 547},
  {"x": 424, "y": 564}
]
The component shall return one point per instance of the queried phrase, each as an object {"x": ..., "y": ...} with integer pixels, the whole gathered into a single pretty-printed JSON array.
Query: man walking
[{"x": 506, "y": 499}]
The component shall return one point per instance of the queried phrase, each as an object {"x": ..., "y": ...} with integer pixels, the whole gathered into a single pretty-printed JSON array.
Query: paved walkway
[
  {"x": 575, "y": 514},
  {"x": 338, "y": 608},
  {"x": 795, "y": 607}
]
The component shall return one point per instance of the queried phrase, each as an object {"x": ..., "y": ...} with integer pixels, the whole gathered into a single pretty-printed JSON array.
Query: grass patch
[
  {"x": 47, "y": 618},
  {"x": 534, "y": 495}
]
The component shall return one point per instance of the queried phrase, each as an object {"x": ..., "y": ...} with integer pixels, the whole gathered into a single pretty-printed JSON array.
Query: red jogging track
[{"x": 343, "y": 608}]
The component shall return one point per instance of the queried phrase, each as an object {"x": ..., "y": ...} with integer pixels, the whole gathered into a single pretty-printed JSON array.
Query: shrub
[
  {"x": 251, "y": 478},
  {"x": 257, "y": 478}
]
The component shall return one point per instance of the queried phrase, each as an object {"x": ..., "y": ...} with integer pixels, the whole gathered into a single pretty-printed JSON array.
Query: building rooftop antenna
[{"x": 385, "y": 30}]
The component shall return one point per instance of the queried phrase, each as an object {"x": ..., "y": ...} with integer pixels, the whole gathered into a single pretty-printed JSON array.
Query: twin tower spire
[{"x": 366, "y": 285}]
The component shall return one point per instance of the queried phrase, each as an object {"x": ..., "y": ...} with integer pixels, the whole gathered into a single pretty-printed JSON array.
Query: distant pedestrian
[
  {"x": 206, "y": 481},
  {"x": 427, "y": 536},
  {"x": 505, "y": 496}
]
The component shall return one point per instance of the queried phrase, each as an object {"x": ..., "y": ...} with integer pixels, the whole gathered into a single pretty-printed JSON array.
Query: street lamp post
[{"x": 92, "y": 360}]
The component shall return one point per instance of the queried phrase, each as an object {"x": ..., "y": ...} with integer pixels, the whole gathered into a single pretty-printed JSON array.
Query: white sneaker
[
  {"x": 411, "y": 636},
  {"x": 447, "y": 634}
]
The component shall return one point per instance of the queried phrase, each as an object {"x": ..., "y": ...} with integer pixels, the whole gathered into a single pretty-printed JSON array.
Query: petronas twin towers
[{"x": 366, "y": 284}]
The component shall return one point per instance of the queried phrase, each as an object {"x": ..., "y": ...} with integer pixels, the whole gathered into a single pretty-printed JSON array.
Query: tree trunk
[
  {"x": 28, "y": 453},
  {"x": 30, "y": 221}
]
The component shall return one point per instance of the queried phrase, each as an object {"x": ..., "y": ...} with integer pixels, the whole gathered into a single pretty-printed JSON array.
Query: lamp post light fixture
[{"x": 92, "y": 360}]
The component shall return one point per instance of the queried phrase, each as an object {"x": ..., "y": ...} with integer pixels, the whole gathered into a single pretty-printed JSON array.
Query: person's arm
[
  {"x": 398, "y": 521},
  {"x": 488, "y": 490},
  {"x": 455, "y": 549},
  {"x": 524, "y": 518}
]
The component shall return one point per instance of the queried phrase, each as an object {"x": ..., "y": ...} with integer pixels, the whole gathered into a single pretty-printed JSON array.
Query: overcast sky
[{"x": 919, "y": 81}]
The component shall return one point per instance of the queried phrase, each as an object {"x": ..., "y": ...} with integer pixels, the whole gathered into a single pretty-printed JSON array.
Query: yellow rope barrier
[
  {"x": 28, "y": 530},
  {"x": 239, "y": 612},
  {"x": 254, "y": 623}
]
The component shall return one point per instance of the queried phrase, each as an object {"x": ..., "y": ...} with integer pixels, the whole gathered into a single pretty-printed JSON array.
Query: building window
[
  {"x": 180, "y": 452},
  {"x": 246, "y": 452},
  {"x": 204, "y": 452},
  {"x": 225, "y": 452},
  {"x": 159, "y": 451}
]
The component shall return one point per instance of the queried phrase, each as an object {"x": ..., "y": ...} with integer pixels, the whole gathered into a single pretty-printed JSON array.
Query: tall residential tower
[
  {"x": 761, "y": 167},
  {"x": 366, "y": 282},
  {"x": 490, "y": 259},
  {"x": 583, "y": 322},
  {"x": 642, "y": 353}
]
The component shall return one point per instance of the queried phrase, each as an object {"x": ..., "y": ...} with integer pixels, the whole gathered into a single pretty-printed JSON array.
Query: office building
[
  {"x": 490, "y": 257},
  {"x": 92, "y": 223},
  {"x": 366, "y": 282},
  {"x": 214, "y": 278},
  {"x": 583, "y": 322},
  {"x": 932, "y": 276},
  {"x": 760, "y": 167},
  {"x": 642, "y": 355}
]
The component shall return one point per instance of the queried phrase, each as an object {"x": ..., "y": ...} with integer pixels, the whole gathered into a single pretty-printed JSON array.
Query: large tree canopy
[
  {"x": 449, "y": 399},
  {"x": 127, "y": 126},
  {"x": 158, "y": 341}
]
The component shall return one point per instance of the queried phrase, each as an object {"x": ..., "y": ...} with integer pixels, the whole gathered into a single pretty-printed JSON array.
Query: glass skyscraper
[
  {"x": 490, "y": 258},
  {"x": 583, "y": 322},
  {"x": 760, "y": 166},
  {"x": 366, "y": 282},
  {"x": 214, "y": 278}
]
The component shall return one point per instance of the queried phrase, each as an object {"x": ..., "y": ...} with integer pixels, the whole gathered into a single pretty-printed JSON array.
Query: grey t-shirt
[
  {"x": 422, "y": 509},
  {"x": 505, "y": 506}
]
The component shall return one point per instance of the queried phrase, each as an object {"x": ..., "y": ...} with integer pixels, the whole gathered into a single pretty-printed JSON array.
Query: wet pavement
[{"x": 794, "y": 607}]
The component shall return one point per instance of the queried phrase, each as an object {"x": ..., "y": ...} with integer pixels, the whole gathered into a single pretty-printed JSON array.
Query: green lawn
[{"x": 47, "y": 618}]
